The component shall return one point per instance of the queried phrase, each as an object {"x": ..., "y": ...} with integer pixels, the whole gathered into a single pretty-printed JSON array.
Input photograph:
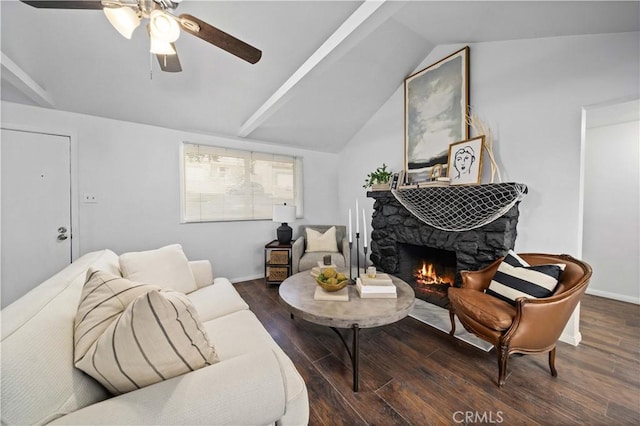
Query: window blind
[{"x": 221, "y": 184}]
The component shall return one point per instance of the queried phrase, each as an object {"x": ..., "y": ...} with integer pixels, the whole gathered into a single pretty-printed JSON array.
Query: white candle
[
  {"x": 357, "y": 218},
  {"x": 350, "y": 231},
  {"x": 364, "y": 228}
]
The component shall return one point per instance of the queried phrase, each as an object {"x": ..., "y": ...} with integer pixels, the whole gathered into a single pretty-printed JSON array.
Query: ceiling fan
[{"x": 163, "y": 27}]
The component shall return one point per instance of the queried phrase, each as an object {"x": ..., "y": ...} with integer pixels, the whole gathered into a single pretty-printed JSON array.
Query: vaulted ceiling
[{"x": 326, "y": 66}]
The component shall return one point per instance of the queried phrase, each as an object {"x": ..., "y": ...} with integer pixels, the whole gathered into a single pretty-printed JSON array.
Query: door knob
[{"x": 62, "y": 233}]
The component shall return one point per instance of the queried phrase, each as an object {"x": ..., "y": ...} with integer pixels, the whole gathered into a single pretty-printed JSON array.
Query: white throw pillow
[
  {"x": 166, "y": 267},
  {"x": 318, "y": 241},
  {"x": 104, "y": 297},
  {"x": 157, "y": 337}
]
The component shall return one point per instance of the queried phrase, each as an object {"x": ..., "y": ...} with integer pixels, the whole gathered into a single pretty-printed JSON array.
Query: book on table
[
  {"x": 341, "y": 295},
  {"x": 382, "y": 280},
  {"x": 381, "y": 284},
  {"x": 376, "y": 292}
]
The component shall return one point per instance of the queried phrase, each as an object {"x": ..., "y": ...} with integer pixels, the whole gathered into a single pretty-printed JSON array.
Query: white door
[{"x": 36, "y": 209}]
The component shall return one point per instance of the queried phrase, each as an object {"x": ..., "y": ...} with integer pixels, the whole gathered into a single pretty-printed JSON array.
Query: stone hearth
[{"x": 393, "y": 225}]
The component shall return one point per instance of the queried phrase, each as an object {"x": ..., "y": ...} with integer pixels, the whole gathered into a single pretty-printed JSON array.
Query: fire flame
[{"x": 427, "y": 275}]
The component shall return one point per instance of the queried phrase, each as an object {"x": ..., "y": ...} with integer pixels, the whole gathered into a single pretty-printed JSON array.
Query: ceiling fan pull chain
[{"x": 150, "y": 66}]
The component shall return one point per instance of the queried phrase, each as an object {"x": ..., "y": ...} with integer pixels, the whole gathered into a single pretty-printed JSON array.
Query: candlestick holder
[
  {"x": 357, "y": 255},
  {"x": 351, "y": 280},
  {"x": 364, "y": 261},
  {"x": 350, "y": 257}
]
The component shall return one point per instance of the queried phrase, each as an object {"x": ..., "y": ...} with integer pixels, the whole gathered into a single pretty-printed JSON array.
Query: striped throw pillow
[
  {"x": 516, "y": 278},
  {"x": 157, "y": 337},
  {"x": 104, "y": 297}
]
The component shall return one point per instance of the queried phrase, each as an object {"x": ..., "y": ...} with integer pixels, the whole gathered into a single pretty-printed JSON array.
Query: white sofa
[{"x": 254, "y": 382}]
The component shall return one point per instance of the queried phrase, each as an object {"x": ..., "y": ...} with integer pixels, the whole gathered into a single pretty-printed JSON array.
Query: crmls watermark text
[{"x": 468, "y": 417}]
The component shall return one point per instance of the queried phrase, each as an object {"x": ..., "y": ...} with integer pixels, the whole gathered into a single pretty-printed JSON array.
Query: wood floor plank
[
  {"x": 440, "y": 384},
  {"x": 371, "y": 407},
  {"x": 414, "y": 374},
  {"x": 415, "y": 409}
]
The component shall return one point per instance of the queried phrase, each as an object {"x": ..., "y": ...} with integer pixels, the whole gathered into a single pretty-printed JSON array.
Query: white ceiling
[{"x": 83, "y": 65}]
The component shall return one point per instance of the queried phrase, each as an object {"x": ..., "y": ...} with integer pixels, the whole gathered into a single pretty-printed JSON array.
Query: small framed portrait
[
  {"x": 465, "y": 161},
  {"x": 437, "y": 171}
]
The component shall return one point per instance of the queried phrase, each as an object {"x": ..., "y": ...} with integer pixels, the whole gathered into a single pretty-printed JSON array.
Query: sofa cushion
[
  {"x": 241, "y": 333},
  {"x": 216, "y": 300},
  {"x": 516, "y": 278},
  {"x": 245, "y": 390},
  {"x": 318, "y": 241},
  {"x": 166, "y": 267},
  {"x": 489, "y": 311},
  {"x": 157, "y": 337},
  {"x": 202, "y": 272},
  {"x": 103, "y": 298}
]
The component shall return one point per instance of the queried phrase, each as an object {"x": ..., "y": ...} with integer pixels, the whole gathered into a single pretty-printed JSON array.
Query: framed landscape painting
[{"x": 436, "y": 103}]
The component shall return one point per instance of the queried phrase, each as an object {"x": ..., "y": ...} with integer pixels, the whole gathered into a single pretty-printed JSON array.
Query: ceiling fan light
[
  {"x": 123, "y": 19},
  {"x": 164, "y": 26},
  {"x": 161, "y": 47}
]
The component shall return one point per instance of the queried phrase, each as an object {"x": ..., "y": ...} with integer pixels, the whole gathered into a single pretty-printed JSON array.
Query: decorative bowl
[
  {"x": 331, "y": 287},
  {"x": 331, "y": 280}
]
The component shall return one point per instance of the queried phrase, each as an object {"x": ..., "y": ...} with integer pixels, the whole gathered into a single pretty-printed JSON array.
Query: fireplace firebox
[{"x": 430, "y": 271}]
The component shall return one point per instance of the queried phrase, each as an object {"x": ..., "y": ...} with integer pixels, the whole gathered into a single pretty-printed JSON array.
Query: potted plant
[{"x": 379, "y": 179}]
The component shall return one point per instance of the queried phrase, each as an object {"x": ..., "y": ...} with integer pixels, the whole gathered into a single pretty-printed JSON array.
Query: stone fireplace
[{"x": 428, "y": 258}]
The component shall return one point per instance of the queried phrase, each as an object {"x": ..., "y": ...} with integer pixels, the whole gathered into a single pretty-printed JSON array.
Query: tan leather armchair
[
  {"x": 302, "y": 261},
  {"x": 533, "y": 325}
]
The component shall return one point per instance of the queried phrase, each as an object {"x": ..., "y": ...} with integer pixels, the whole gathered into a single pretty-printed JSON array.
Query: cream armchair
[{"x": 301, "y": 260}]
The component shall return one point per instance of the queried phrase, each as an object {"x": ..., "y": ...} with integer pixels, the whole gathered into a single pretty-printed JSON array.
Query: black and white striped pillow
[
  {"x": 157, "y": 337},
  {"x": 516, "y": 278}
]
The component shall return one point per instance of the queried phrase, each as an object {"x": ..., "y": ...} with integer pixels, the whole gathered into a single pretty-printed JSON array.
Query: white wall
[
  {"x": 611, "y": 209},
  {"x": 378, "y": 142},
  {"x": 530, "y": 93},
  {"x": 133, "y": 170}
]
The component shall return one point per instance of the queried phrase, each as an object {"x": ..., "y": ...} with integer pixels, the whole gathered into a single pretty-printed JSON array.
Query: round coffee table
[{"x": 297, "y": 294}]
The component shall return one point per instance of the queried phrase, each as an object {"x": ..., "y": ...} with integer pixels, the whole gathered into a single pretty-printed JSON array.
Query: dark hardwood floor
[{"x": 411, "y": 373}]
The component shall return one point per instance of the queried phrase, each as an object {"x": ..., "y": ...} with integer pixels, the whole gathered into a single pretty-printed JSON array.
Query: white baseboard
[
  {"x": 247, "y": 278},
  {"x": 572, "y": 339},
  {"x": 614, "y": 296}
]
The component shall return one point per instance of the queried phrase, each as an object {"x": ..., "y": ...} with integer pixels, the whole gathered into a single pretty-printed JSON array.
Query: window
[{"x": 222, "y": 184}]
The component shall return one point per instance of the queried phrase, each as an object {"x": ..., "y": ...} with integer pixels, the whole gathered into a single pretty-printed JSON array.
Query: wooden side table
[{"x": 277, "y": 262}]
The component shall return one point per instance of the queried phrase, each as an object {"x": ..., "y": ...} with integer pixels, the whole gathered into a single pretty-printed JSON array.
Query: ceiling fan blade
[
  {"x": 169, "y": 63},
  {"x": 219, "y": 38},
  {"x": 78, "y": 4}
]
